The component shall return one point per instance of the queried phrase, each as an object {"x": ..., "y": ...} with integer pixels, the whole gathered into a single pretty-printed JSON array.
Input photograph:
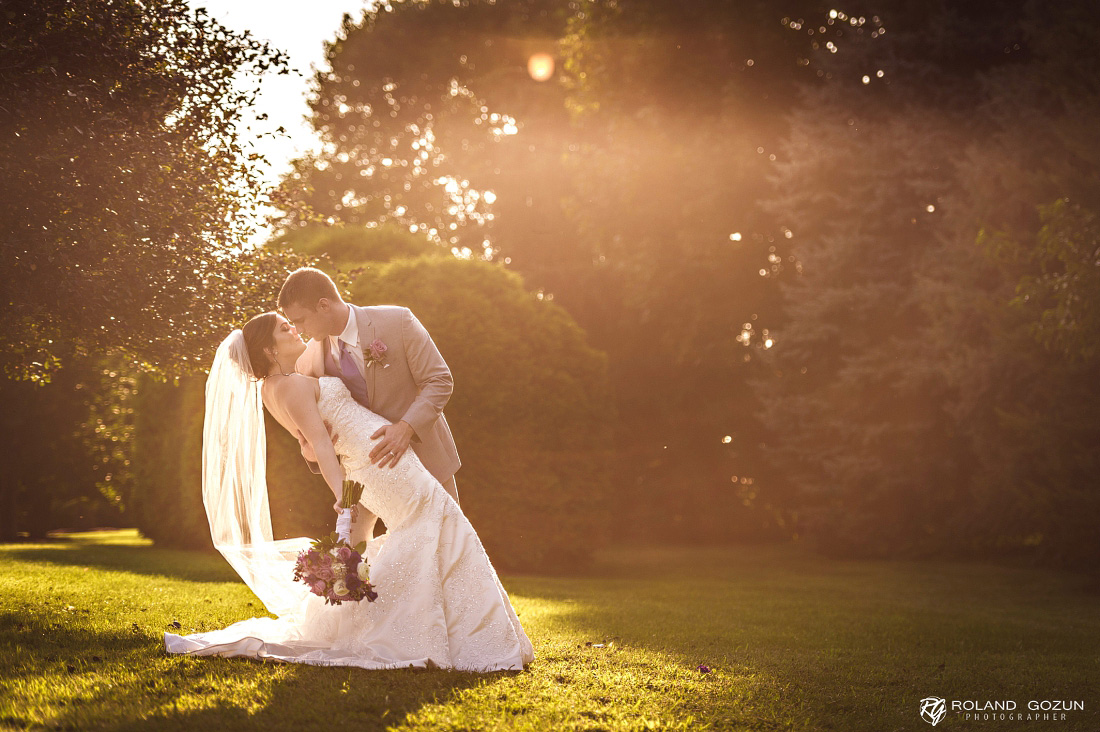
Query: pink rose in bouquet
[{"x": 335, "y": 571}]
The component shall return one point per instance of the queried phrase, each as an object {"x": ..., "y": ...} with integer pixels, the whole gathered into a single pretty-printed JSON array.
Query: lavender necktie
[{"x": 351, "y": 377}]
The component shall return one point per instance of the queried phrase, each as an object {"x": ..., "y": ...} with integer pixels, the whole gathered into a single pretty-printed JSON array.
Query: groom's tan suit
[{"x": 412, "y": 382}]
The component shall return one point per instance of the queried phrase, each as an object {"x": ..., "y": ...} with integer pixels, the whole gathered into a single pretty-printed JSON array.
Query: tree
[
  {"x": 674, "y": 111},
  {"x": 62, "y": 451},
  {"x": 929, "y": 418},
  {"x": 857, "y": 436},
  {"x": 125, "y": 186},
  {"x": 350, "y": 245},
  {"x": 419, "y": 114},
  {"x": 614, "y": 188},
  {"x": 1018, "y": 312},
  {"x": 856, "y": 445}
]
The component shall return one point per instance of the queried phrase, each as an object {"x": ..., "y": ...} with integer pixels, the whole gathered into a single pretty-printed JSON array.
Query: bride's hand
[
  {"x": 354, "y": 510},
  {"x": 307, "y": 449}
]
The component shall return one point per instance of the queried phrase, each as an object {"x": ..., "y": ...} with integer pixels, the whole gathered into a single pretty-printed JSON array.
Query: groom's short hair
[{"x": 305, "y": 286}]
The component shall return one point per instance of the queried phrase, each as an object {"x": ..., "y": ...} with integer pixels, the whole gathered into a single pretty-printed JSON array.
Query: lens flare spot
[{"x": 540, "y": 66}]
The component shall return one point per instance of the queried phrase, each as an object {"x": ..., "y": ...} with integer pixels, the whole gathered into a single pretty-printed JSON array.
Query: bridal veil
[{"x": 234, "y": 482}]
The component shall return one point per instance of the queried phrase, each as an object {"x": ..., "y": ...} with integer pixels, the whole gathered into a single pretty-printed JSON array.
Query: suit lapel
[{"x": 366, "y": 337}]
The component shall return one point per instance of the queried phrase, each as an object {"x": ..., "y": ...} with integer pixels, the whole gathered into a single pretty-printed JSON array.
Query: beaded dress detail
[{"x": 440, "y": 603}]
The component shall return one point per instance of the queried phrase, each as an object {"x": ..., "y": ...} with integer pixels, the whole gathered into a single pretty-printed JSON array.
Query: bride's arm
[
  {"x": 312, "y": 360},
  {"x": 299, "y": 398}
]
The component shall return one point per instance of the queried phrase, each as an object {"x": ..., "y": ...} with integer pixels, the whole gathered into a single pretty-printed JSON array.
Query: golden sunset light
[
  {"x": 549, "y": 364},
  {"x": 540, "y": 66}
]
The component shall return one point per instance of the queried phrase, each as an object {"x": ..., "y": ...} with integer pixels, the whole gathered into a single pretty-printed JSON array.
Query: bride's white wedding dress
[{"x": 440, "y": 603}]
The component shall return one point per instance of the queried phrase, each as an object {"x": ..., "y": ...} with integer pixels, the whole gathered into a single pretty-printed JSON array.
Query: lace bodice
[{"x": 394, "y": 495}]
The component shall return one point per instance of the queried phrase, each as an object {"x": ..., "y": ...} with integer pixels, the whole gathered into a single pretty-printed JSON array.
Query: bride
[{"x": 440, "y": 603}]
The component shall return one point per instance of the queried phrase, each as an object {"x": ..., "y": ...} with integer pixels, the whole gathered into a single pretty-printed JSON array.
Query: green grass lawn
[{"x": 794, "y": 641}]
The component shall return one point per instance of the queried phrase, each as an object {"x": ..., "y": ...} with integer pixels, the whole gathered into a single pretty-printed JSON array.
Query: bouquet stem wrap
[
  {"x": 343, "y": 524},
  {"x": 351, "y": 494}
]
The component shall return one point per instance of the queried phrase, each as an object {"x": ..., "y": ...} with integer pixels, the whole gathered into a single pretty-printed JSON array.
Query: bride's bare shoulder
[{"x": 282, "y": 389}]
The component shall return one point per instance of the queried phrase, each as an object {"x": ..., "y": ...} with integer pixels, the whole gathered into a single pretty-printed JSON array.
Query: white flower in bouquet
[
  {"x": 363, "y": 571},
  {"x": 340, "y": 589},
  {"x": 340, "y": 571}
]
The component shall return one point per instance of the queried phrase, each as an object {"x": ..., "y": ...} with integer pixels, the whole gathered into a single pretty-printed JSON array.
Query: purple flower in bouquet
[{"x": 335, "y": 571}]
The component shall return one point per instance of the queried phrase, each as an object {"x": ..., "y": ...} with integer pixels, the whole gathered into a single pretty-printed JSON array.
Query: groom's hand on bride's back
[
  {"x": 307, "y": 449},
  {"x": 395, "y": 441}
]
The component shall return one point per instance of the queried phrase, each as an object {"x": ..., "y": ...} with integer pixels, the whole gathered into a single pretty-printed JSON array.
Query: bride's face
[{"x": 286, "y": 339}]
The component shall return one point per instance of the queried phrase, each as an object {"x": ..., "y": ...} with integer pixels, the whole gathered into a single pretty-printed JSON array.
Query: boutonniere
[{"x": 376, "y": 353}]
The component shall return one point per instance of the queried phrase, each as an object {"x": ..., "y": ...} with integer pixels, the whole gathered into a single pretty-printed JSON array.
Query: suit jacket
[{"x": 415, "y": 386}]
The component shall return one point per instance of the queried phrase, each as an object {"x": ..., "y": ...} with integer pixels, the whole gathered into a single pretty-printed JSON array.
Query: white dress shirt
[{"x": 350, "y": 336}]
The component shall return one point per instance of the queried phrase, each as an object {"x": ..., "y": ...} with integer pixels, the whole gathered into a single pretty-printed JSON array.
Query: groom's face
[{"x": 310, "y": 322}]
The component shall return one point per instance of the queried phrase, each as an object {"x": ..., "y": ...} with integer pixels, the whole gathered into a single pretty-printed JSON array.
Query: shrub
[{"x": 530, "y": 412}]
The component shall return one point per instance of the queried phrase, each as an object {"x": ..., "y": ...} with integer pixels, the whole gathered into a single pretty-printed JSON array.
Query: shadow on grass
[
  {"x": 309, "y": 697},
  {"x": 136, "y": 558},
  {"x": 41, "y": 646},
  {"x": 121, "y": 679}
]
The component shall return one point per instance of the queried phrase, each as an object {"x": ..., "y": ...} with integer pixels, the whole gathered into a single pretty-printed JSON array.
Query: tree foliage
[
  {"x": 350, "y": 245},
  {"x": 408, "y": 137},
  {"x": 933, "y": 390},
  {"x": 126, "y": 189},
  {"x": 614, "y": 188},
  {"x": 531, "y": 410},
  {"x": 1059, "y": 290},
  {"x": 63, "y": 451}
]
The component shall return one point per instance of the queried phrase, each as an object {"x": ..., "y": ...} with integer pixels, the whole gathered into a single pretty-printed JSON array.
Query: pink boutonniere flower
[{"x": 376, "y": 353}]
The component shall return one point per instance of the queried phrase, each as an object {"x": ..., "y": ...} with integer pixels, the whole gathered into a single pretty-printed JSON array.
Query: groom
[{"x": 389, "y": 364}]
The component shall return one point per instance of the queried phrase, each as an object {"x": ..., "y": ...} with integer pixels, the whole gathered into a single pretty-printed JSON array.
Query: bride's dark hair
[{"x": 259, "y": 333}]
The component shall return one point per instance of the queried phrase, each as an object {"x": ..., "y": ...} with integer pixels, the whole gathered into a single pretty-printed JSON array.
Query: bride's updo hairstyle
[{"x": 259, "y": 333}]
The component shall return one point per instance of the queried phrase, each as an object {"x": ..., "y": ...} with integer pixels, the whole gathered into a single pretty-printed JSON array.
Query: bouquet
[{"x": 334, "y": 569}]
